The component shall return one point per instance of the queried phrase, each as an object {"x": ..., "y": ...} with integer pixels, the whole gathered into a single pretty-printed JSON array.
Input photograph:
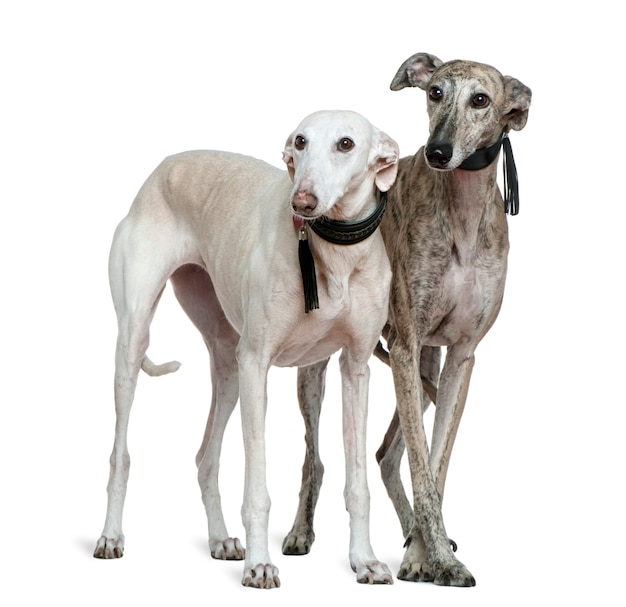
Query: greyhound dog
[
  {"x": 447, "y": 240},
  {"x": 224, "y": 229}
]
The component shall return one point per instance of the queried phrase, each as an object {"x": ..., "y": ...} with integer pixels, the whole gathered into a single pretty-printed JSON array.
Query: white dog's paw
[
  {"x": 229, "y": 549},
  {"x": 261, "y": 576},
  {"x": 373, "y": 572},
  {"x": 109, "y": 548}
]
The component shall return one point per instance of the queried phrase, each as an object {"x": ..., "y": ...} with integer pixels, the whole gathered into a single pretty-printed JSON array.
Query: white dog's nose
[{"x": 304, "y": 202}]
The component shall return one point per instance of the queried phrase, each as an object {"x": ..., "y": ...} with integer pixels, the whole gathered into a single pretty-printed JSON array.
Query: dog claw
[
  {"x": 450, "y": 574},
  {"x": 455, "y": 574},
  {"x": 261, "y": 576},
  {"x": 298, "y": 544},
  {"x": 373, "y": 572},
  {"x": 108, "y": 548},
  {"x": 410, "y": 574},
  {"x": 229, "y": 549}
]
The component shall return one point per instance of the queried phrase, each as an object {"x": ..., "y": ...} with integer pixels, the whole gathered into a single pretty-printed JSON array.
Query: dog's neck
[
  {"x": 485, "y": 157},
  {"x": 350, "y": 232},
  {"x": 340, "y": 246},
  {"x": 472, "y": 204}
]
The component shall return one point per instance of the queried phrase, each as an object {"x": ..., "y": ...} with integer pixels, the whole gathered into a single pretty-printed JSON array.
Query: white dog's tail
[{"x": 155, "y": 370}]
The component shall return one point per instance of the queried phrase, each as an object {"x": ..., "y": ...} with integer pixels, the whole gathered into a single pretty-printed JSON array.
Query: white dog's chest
[{"x": 322, "y": 332}]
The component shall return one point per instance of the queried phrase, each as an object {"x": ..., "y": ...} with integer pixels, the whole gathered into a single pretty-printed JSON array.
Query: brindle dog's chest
[{"x": 463, "y": 301}]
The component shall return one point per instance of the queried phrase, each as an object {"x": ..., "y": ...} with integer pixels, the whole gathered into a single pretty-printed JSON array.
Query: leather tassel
[
  {"x": 511, "y": 186},
  {"x": 307, "y": 268}
]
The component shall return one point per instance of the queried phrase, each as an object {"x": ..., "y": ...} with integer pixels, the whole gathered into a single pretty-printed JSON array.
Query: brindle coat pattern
[{"x": 446, "y": 235}]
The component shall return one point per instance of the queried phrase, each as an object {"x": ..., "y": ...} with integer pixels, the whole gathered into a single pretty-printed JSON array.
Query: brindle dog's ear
[
  {"x": 518, "y": 98},
  {"x": 417, "y": 70}
]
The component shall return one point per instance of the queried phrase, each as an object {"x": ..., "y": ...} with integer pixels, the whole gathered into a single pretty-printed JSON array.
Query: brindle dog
[{"x": 445, "y": 231}]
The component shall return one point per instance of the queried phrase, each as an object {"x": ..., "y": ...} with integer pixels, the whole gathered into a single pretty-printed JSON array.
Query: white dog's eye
[
  {"x": 299, "y": 142},
  {"x": 345, "y": 144}
]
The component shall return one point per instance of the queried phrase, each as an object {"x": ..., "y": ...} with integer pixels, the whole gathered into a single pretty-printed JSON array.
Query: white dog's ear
[
  {"x": 417, "y": 70},
  {"x": 385, "y": 161},
  {"x": 288, "y": 156},
  {"x": 518, "y": 97}
]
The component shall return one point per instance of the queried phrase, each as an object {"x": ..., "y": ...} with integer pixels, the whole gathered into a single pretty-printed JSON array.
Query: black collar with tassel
[
  {"x": 485, "y": 156},
  {"x": 335, "y": 232},
  {"x": 350, "y": 232}
]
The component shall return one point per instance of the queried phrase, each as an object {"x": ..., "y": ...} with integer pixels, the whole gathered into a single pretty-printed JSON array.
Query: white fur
[{"x": 219, "y": 226}]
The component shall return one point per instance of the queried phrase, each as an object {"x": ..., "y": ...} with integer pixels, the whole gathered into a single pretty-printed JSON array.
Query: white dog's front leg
[
  {"x": 258, "y": 569},
  {"x": 355, "y": 383}
]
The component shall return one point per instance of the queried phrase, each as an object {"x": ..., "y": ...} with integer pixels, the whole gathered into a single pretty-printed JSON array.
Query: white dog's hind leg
[
  {"x": 225, "y": 383},
  {"x": 195, "y": 293},
  {"x": 136, "y": 291}
]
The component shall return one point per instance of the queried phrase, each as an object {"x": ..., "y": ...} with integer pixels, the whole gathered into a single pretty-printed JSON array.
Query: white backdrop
[{"x": 95, "y": 94}]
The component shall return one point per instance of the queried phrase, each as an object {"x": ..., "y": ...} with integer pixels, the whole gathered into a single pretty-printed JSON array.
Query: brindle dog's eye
[
  {"x": 345, "y": 144},
  {"x": 436, "y": 94},
  {"x": 299, "y": 142},
  {"x": 480, "y": 100}
]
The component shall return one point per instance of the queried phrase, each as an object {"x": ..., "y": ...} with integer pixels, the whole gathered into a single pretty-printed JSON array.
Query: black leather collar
[
  {"x": 485, "y": 156},
  {"x": 349, "y": 232},
  {"x": 482, "y": 158}
]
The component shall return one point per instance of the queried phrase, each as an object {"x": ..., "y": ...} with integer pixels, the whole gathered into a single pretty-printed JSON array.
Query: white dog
[{"x": 226, "y": 230}]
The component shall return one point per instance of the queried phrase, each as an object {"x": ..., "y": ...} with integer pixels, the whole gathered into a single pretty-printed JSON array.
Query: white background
[{"x": 94, "y": 94}]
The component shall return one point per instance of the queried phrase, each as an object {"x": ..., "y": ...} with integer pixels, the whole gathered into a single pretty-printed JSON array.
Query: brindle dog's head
[{"x": 469, "y": 104}]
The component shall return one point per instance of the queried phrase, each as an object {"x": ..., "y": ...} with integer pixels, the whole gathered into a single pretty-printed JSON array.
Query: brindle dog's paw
[
  {"x": 414, "y": 572},
  {"x": 414, "y": 567},
  {"x": 453, "y": 573},
  {"x": 298, "y": 543},
  {"x": 450, "y": 572}
]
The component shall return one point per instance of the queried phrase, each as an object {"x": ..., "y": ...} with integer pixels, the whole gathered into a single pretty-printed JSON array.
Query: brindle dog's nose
[{"x": 439, "y": 153}]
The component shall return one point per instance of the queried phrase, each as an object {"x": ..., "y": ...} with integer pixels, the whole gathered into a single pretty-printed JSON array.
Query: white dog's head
[{"x": 335, "y": 158}]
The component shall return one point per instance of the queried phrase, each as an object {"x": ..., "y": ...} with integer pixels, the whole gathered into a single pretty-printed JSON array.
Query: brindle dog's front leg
[
  {"x": 428, "y": 555},
  {"x": 389, "y": 454},
  {"x": 453, "y": 388},
  {"x": 311, "y": 384}
]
